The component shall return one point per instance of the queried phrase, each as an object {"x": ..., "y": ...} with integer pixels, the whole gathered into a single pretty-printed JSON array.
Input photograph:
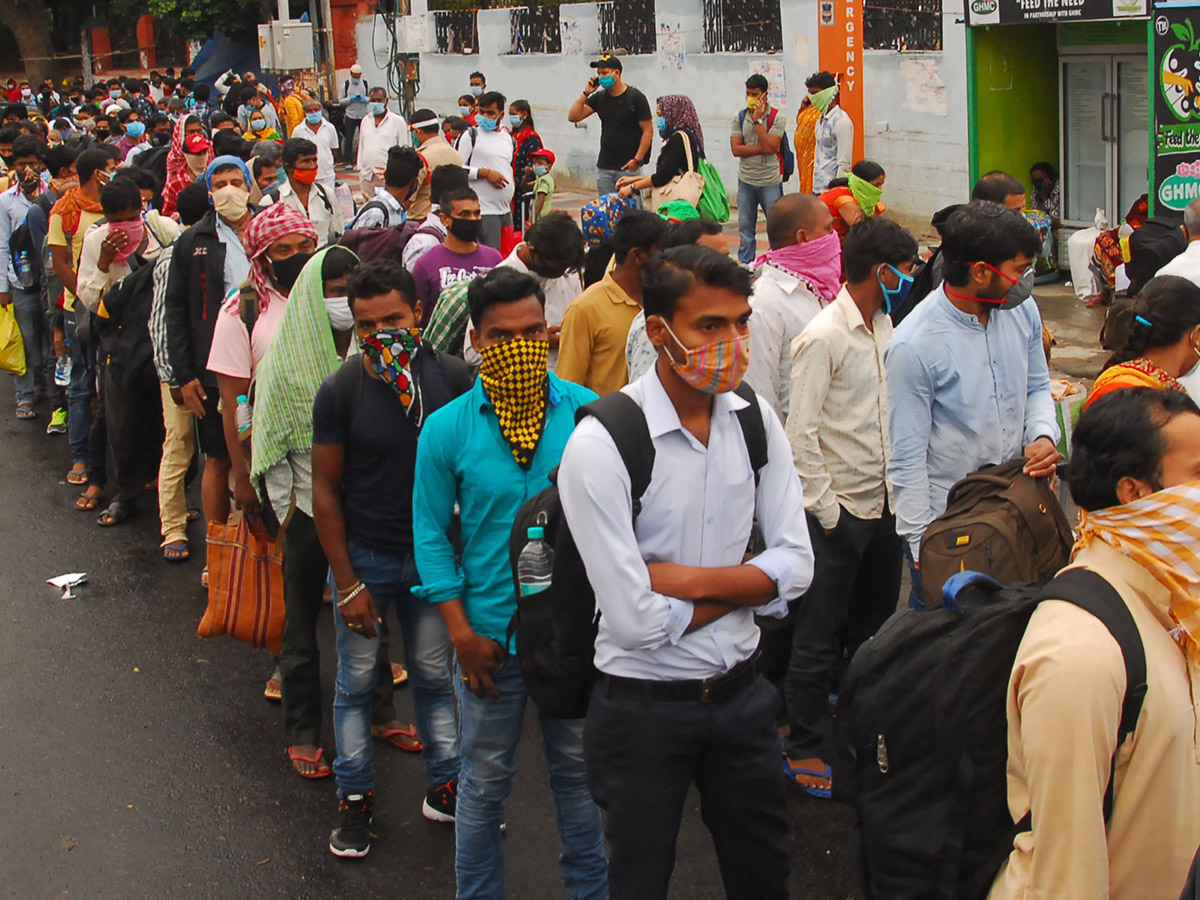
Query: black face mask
[
  {"x": 466, "y": 230},
  {"x": 286, "y": 271},
  {"x": 102, "y": 134},
  {"x": 161, "y": 138}
]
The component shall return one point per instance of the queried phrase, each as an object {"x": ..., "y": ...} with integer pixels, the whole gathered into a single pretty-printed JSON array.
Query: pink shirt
[{"x": 234, "y": 353}]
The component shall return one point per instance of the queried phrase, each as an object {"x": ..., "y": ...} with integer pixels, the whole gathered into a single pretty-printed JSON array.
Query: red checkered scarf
[
  {"x": 179, "y": 175},
  {"x": 276, "y": 221}
]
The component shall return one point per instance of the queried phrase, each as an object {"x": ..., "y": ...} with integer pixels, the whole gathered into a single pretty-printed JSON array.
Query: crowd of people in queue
[{"x": 412, "y": 388}]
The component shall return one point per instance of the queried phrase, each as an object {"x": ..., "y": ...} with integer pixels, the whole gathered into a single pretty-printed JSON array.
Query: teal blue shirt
[{"x": 463, "y": 458}]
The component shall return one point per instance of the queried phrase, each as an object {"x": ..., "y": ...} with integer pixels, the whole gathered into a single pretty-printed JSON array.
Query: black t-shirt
[
  {"x": 380, "y": 459},
  {"x": 621, "y": 128}
]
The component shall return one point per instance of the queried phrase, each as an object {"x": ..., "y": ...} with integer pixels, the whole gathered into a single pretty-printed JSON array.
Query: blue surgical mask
[
  {"x": 258, "y": 124},
  {"x": 661, "y": 124},
  {"x": 465, "y": 110},
  {"x": 893, "y": 297},
  {"x": 313, "y": 118},
  {"x": 135, "y": 129},
  {"x": 607, "y": 81},
  {"x": 377, "y": 108},
  {"x": 476, "y": 90},
  {"x": 488, "y": 124},
  {"x": 115, "y": 93},
  {"x": 514, "y": 120},
  {"x": 539, "y": 171}
]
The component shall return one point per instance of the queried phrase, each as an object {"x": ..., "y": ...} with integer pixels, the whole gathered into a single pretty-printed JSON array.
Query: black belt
[{"x": 717, "y": 689}]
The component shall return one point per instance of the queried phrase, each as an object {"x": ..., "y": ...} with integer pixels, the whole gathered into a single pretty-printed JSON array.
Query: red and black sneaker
[
  {"x": 352, "y": 836},
  {"x": 440, "y": 802}
]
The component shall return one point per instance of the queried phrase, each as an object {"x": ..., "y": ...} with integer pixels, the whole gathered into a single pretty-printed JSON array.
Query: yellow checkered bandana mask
[
  {"x": 514, "y": 374},
  {"x": 1161, "y": 533}
]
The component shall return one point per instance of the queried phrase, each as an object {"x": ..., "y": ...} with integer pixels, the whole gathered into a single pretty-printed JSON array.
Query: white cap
[{"x": 356, "y": 70}]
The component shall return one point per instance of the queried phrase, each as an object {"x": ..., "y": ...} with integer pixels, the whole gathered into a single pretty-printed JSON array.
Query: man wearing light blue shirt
[
  {"x": 967, "y": 379},
  {"x": 679, "y": 700},
  {"x": 28, "y": 163},
  {"x": 488, "y": 452}
]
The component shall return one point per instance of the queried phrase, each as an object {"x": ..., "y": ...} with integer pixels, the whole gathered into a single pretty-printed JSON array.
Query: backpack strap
[
  {"x": 325, "y": 197},
  {"x": 1091, "y": 592},
  {"x": 370, "y": 204},
  {"x": 753, "y": 430},
  {"x": 624, "y": 420},
  {"x": 248, "y": 307}
]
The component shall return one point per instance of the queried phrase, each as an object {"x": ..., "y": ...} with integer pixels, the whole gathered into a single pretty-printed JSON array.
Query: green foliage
[{"x": 197, "y": 19}]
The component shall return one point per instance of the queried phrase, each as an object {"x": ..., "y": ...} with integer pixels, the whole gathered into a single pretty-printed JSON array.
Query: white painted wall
[{"x": 914, "y": 128}]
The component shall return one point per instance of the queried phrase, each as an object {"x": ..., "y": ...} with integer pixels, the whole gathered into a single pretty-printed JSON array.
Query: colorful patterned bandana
[
  {"x": 713, "y": 368},
  {"x": 515, "y": 377},
  {"x": 1161, "y": 533},
  {"x": 390, "y": 352}
]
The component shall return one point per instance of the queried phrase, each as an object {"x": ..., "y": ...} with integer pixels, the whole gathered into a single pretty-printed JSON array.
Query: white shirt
[
  {"x": 135, "y": 151},
  {"x": 559, "y": 292},
  {"x": 392, "y": 213},
  {"x": 1186, "y": 264},
  {"x": 697, "y": 511},
  {"x": 420, "y": 244},
  {"x": 640, "y": 354},
  {"x": 323, "y": 211},
  {"x": 327, "y": 140},
  {"x": 783, "y": 305},
  {"x": 491, "y": 150},
  {"x": 838, "y": 420},
  {"x": 375, "y": 140}
]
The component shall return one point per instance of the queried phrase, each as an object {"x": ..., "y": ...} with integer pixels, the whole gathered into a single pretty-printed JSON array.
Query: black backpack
[
  {"x": 29, "y": 272},
  {"x": 1151, "y": 247},
  {"x": 556, "y": 628},
  {"x": 921, "y": 737}
]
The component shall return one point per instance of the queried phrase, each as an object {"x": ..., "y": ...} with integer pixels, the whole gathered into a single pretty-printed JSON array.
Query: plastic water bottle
[
  {"x": 24, "y": 271},
  {"x": 62, "y": 370},
  {"x": 244, "y": 416},
  {"x": 535, "y": 565}
]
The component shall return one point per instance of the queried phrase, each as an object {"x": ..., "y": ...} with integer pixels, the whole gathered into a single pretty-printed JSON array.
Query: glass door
[
  {"x": 1131, "y": 86},
  {"x": 1087, "y": 147}
]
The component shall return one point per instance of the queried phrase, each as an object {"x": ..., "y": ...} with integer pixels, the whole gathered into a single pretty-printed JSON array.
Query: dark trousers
[
  {"x": 856, "y": 583},
  {"x": 643, "y": 755},
  {"x": 97, "y": 437},
  {"x": 305, "y": 572},
  {"x": 349, "y": 130},
  {"x": 134, "y": 425}
]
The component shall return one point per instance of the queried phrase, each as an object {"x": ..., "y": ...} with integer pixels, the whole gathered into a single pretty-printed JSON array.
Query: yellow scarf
[
  {"x": 1161, "y": 533},
  {"x": 514, "y": 375}
]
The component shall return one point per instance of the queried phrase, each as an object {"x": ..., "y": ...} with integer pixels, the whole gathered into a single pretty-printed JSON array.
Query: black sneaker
[
  {"x": 352, "y": 837},
  {"x": 440, "y": 802}
]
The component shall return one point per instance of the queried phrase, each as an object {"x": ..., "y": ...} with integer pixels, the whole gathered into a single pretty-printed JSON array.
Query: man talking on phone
[{"x": 626, "y": 123}]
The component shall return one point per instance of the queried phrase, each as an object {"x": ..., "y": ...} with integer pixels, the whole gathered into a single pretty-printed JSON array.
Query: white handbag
[{"x": 687, "y": 186}]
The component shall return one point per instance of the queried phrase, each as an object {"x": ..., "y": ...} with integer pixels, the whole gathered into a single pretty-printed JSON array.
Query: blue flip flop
[{"x": 820, "y": 793}]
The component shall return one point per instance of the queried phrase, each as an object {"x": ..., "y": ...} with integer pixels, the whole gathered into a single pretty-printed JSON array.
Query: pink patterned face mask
[
  {"x": 713, "y": 368},
  {"x": 134, "y": 230}
]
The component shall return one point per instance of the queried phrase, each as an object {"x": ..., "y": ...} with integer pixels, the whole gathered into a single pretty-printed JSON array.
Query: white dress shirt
[
  {"x": 697, "y": 511},
  {"x": 328, "y": 140},
  {"x": 783, "y": 304},
  {"x": 323, "y": 211},
  {"x": 376, "y": 139},
  {"x": 640, "y": 354},
  {"x": 837, "y": 422},
  {"x": 1186, "y": 264},
  {"x": 490, "y": 150}
]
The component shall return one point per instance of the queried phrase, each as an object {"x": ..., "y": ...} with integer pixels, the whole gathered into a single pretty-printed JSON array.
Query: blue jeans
[
  {"x": 427, "y": 654},
  {"x": 79, "y": 392},
  {"x": 491, "y": 730},
  {"x": 606, "y": 180},
  {"x": 27, "y": 307},
  {"x": 750, "y": 198},
  {"x": 916, "y": 596}
]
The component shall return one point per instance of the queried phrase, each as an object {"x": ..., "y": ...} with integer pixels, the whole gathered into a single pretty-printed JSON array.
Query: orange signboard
[{"x": 839, "y": 30}]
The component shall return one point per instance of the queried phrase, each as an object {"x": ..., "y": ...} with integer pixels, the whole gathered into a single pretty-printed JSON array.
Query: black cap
[{"x": 607, "y": 61}]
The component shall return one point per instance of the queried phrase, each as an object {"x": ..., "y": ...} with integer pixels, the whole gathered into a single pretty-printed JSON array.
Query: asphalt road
[{"x": 139, "y": 761}]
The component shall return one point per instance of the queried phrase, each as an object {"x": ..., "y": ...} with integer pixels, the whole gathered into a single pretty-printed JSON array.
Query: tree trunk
[{"x": 30, "y": 24}]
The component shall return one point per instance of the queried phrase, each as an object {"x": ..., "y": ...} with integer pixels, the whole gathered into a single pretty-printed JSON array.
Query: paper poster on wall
[
  {"x": 924, "y": 90},
  {"x": 802, "y": 52},
  {"x": 670, "y": 47},
  {"x": 412, "y": 33},
  {"x": 772, "y": 69},
  {"x": 1175, "y": 81},
  {"x": 572, "y": 37}
]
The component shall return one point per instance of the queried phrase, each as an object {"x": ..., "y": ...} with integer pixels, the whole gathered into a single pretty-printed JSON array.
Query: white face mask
[{"x": 340, "y": 316}]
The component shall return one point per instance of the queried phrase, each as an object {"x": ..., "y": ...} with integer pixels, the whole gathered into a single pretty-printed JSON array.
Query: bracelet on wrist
[{"x": 358, "y": 589}]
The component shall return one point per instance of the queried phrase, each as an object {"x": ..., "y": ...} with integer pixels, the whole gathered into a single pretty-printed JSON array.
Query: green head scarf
[{"x": 300, "y": 357}]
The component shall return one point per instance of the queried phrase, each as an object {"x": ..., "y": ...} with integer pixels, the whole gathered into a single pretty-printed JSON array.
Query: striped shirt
[{"x": 158, "y": 318}]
